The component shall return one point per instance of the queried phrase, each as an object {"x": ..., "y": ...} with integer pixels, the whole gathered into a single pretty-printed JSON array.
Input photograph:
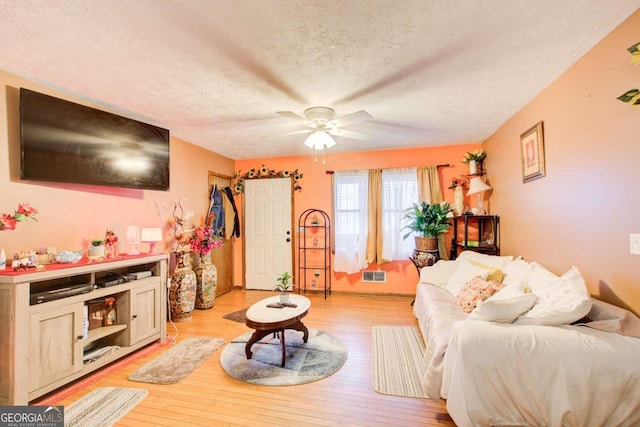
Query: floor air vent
[{"x": 374, "y": 276}]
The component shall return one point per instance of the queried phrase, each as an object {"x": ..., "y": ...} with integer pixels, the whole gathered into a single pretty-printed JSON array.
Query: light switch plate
[{"x": 634, "y": 244}]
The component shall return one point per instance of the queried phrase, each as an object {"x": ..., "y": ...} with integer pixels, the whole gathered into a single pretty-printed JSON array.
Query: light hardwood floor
[{"x": 208, "y": 397}]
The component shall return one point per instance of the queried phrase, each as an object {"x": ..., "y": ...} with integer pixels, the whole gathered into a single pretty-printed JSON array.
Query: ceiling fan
[{"x": 322, "y": 123}]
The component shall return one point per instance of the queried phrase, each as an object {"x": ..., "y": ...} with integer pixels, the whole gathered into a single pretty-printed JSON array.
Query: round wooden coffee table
[{"x": 266, "y": 320}]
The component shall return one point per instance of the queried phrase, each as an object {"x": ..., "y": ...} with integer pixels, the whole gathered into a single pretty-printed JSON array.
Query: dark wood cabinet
[{"x": 479, "y": 233}]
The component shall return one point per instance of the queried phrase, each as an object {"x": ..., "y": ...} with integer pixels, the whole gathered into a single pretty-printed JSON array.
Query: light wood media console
[{"x": 42, "y": 345}]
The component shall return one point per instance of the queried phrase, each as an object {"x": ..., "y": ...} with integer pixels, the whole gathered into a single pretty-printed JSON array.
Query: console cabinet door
[
  {"x": 145, "y": 312},
  {"x": 55, "y": 344}
]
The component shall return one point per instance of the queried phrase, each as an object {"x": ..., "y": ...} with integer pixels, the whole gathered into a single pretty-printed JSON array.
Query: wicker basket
[{"x": 426, "y": 243}]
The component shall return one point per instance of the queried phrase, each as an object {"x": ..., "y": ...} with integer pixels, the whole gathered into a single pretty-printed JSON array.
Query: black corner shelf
[{"x": 314, "y": 251}]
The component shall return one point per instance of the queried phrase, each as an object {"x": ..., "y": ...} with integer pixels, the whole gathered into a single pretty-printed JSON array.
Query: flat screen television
[{"x": 61, "y": 141}]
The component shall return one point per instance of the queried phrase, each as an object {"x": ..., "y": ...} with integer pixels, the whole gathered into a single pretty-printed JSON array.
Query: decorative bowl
[{"x": 68, "y": 257}]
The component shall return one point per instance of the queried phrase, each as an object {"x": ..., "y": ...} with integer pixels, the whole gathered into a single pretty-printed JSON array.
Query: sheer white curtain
[
  {"x": 399, "y": 192},
  {"x": 350, "y": 205}
]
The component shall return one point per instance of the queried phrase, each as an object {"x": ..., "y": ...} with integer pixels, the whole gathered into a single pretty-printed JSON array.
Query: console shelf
[
  {"x": 105, "y": 331},
  {"x": 42, "y": 344}
]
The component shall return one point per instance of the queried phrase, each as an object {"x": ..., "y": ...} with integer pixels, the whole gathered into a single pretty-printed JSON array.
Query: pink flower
[
  {"x": 26, "y": 210},
  {"x": 7, "y": 222},
  {"x": 204, "y": 239},
  {"x": 23, "y": 213}
]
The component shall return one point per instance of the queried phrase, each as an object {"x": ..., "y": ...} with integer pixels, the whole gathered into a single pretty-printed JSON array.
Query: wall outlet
[{"x": 634, "y": 244}]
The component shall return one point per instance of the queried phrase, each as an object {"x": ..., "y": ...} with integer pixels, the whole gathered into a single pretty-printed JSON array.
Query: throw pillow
[
  {"x": 516, "y": 273},
  {"x": 494, "y": 273},
  {"x": 439, "y": 273},
  {"x": 559, "y": 300},
  {"x": 504, "y": 306},
  {"x": 474, "y": 291},
  {"x": 465, "y": 272}
]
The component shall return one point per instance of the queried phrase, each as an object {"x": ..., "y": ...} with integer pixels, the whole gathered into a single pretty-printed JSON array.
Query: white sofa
[{"x": 538, "y": 352}]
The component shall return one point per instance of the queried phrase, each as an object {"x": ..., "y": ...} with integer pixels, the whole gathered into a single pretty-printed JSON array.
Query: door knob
[
  {"x": 288, "y": 239},
  {"x": 288, "y": 232}
]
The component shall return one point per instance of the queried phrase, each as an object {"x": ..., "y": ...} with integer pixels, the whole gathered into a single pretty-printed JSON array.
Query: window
[
  {"x": 399, "y": 192},
  {"x": 399, "y": 189},
  {"x": 350, "y": 206}
]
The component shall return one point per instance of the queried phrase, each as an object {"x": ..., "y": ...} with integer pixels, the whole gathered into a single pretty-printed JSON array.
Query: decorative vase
[
  {"x": 458, "y": 200},
  {"x": 182, "y": 291},
  {"x": 207, "y": 277},
  {"x": 473, "y": 168},
  {"x": 44, "y": 258},
  {"x": 284, "y": 298},
  {"x": 96, "y": 251}
]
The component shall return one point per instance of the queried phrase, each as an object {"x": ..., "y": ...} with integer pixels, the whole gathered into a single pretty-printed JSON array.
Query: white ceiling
[{"x": 430, "y": 72}]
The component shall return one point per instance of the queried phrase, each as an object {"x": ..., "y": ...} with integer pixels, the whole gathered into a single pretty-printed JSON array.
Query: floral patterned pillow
[{"x": 476, "y": 289}]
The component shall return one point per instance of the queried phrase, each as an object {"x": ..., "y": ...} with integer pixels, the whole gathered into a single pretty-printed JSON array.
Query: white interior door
[{"x": 268, "y": 235}]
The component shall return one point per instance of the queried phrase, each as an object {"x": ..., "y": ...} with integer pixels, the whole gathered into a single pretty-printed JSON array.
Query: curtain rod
[{"x": 445, "y": 165}]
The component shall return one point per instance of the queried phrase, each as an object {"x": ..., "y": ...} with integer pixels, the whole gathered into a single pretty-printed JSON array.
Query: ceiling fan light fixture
[{"x": 319, "y": 140}]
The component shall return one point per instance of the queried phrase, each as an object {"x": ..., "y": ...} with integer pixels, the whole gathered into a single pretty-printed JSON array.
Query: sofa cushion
[
  {"x": 559, "y": 300},
  {"x": 465, "y": 272},
  {"x": 495, "y": 261},
  {"x": 439, "y": 273},
  {"x": 504, "y": 306},
  {"x": 474, "y": 291}
]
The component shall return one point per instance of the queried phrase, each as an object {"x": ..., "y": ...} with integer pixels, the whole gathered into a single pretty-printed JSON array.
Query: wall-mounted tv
[{"x": 61, "y": 141}]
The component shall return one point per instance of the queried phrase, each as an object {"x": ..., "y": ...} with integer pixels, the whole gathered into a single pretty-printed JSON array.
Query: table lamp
[
  {"x": 478, "y": 186},
  {"x": 151, "y": 236}
]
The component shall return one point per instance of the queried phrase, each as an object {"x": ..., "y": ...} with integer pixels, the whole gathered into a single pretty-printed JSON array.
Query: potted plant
[
  {"x": 474, "y": 159},
  {"x": 429, "y": 221},
  {"x": 284, "y": 281},
  {"x": 97, "y": 247}
]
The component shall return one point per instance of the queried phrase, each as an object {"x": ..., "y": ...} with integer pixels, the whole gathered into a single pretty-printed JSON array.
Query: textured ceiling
[{"x": 430, "y": 72}]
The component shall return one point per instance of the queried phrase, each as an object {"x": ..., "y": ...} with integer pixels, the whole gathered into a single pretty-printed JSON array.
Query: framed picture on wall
[{"x": 532, "y": 153}]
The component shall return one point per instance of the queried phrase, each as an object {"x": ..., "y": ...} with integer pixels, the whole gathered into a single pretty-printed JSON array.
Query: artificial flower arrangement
[
  {"x": 181, "y": 230},
  {"x": 264, "y": 172},
  {"x": 478, "y": 156},
  {"x": 632, "y": 96},
  {"x": 22, "y": 214},
  {"x": 204, "y": 239}
]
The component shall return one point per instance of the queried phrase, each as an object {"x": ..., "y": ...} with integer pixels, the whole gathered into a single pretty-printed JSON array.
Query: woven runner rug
[
  {"x": 179, "y": 361},
  {"x": 398, "y": 361},
  {"x": 102, "y": 407}
]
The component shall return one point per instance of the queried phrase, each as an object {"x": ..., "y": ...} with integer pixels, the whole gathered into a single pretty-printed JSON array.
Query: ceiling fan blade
[
  {"x": 294, "y": 116},
  {"x": 297, "y": 132},
  {"x": 349, "y": 134},
  {"x": 347, "y": 119}
]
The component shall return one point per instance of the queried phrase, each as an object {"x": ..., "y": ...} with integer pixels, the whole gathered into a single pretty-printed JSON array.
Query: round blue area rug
[{"x": 320, "y": 357}]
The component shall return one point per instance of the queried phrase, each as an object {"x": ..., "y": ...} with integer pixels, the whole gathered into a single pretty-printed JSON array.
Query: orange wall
[
  {"x": 316, "y": 193},
  {"x": 70, "y": 215},
  {"x": 582, "y": 212}
]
